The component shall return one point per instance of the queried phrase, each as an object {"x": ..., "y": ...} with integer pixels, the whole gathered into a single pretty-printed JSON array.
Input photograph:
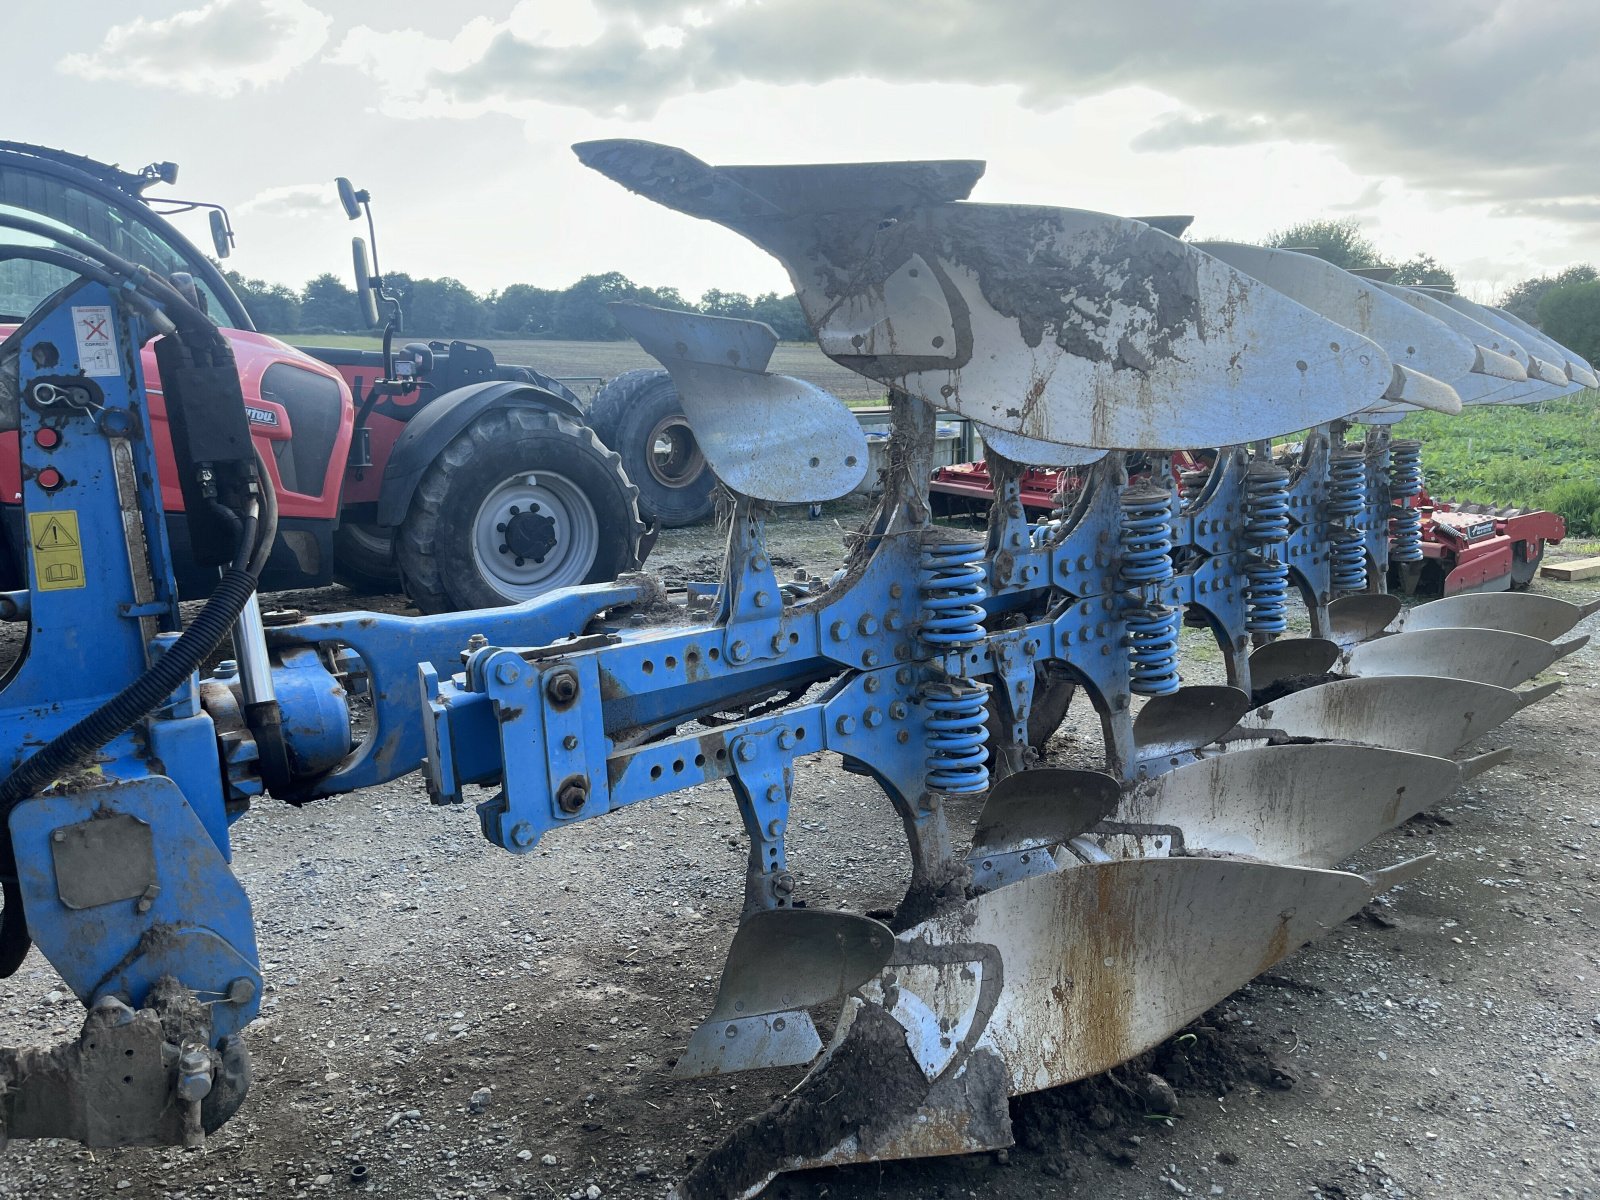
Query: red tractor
[{"x": 465, "y": 481}]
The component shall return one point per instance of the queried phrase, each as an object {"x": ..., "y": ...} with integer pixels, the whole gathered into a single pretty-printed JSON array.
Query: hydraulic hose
[
  {"x": 116, "y": 716},
  {"x": 113, "y": 718}
]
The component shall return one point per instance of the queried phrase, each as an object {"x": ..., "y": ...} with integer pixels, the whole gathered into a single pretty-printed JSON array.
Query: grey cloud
[
  {"x": 1370, "y": 198},
  {"x": 1578, "y": 212},
  {"x": 1177, "y": 131},
  {"x": 293, "y": 200},
  {"x": 218, "y": 48},
  {"x": 1488, "y": 100}
]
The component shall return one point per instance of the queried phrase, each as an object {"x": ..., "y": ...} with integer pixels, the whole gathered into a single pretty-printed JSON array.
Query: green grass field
[{"x": 1546, "y": 456}]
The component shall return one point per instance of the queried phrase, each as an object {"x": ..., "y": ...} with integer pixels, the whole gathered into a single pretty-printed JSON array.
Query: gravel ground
[{"x": 462, "y": 1023}]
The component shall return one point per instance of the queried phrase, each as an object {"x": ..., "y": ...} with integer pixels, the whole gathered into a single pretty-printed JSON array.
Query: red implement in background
[{"x": 1465, "y": 547}]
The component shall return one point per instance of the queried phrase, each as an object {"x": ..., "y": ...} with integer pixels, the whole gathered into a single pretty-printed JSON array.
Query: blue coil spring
[
  {"x": 1266, "y": 526},
  {"x": 952, "y": 594},
  {"x": 1347, "y": 498},
  {"x": 1146, "y": 535},
  {"x": 1405, "y": 482},
  {"x": 1152, "y": 641},
  {"x": 1151, "y": 628},
  {"x": 1266, "y": 595},
  {"x": 955, "y": 731}
]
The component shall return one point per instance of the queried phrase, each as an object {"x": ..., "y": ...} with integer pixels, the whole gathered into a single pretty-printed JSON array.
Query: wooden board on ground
[{"x": 1578, "y": 568}]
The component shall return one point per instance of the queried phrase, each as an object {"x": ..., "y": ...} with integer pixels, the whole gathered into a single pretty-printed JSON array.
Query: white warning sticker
[{"x": 97, "y": 340}]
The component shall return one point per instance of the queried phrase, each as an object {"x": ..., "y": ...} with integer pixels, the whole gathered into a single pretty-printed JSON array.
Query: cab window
[{"x": 120, "y": 226}]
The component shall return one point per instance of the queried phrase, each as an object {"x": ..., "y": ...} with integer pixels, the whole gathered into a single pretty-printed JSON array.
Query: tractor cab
[
  {"x": 299, "y": 410},
  {"x": 107, "y": 205}
]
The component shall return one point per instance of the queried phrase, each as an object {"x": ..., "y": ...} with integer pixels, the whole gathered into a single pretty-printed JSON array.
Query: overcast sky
[{"x": 1468, "y": 129}]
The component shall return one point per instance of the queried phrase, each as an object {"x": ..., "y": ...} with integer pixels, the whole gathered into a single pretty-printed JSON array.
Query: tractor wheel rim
[
  {"x": 674, "y": 457},
  {"x": 534, "y": 533}
]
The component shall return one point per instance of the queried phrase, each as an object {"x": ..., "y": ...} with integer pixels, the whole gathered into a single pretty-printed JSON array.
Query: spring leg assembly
[
  {"x": 1405, "y": 484},
  {"x": 1266, "y": 526},
  {"x": 955, "y": 708},
  {"x": 1347, "y": 498},
  {"x": 1152, "y": 626}
]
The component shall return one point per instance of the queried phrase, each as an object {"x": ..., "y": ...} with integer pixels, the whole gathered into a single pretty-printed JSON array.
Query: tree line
[
  {"x": 1566, "y": 306},
  {"x": 448, "y": 308}
]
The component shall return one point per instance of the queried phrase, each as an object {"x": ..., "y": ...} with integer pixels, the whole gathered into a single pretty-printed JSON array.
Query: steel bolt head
[
  {"x": 868, "y": 625},
  {"x": 763, "y": 599},
  {"x": 845, "y": 724},
  {"x": 242, "y": 990},
  {"x": 744, "y": 751},
  {"x": 570, "y": 742},
  {"x": 573, "y": 793},
  {"x": 873, "y": 717},
  {"x": 785, "y": 740},
  {"x": 522, "y": 834},
  {"x": 774, "y": 794},
  {"x": 838, "y": 631},
  {"x": 738, "y": 652},
  {"x": 508, "y": 673},
  {"x": 562, "y": 687}
]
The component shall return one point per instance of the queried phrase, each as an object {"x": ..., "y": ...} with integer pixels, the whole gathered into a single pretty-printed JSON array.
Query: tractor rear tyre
[
  {"x": 639, "y": 415},
  {"x": 1523, "y": 566},
  {"x": 363, "y": 559},
  {"x": 519, "y": 503}
]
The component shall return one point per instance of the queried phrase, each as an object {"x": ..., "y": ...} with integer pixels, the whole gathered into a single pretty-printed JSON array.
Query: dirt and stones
[{"x": 1448, "y": 1053}]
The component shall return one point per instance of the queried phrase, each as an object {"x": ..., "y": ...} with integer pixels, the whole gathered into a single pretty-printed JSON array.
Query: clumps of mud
[
  {"x": 1060, "y": 1133},
  {"x": 1110, "y": 1115},
  {"x": 1287, "y": 686}
]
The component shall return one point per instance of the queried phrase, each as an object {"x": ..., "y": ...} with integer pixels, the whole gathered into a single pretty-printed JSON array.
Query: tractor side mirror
[
  {"x": 349, "y": 198},
  {"x": 364, "y": 288},
  {"x": 221, "y": 235}
]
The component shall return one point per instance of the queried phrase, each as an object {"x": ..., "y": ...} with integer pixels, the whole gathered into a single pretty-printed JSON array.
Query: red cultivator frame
[{"x": 1465, "y": 547}]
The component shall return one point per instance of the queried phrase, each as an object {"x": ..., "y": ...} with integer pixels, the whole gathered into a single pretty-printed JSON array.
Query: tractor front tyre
[
  {"x": 638, "y": 414},
  {"x": 363, "y": 559},
  {"x": 520, "y": 502}
]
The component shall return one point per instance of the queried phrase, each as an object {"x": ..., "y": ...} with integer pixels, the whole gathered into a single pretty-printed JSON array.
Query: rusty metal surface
[
  {"x": 770, "y": 437},
  {"x": 1304, "y": 805},
  {"x": 1485, "y": 655},
  {"x": 1427, "y": 714},
  {"x": 1519, "y": 612},
  {"x": 1102, "y": 961}
]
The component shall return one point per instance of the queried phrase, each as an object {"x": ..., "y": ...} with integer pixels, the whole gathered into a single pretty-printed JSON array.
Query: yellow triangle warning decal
[{"x": 55, "y": 535}]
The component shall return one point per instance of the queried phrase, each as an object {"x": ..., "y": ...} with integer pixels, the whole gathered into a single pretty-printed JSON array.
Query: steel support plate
[
  {"x": 1425, "y": 714},
  {"x": 1303, "y": 805},
  {"x": 1058, "y": 324},
  {"x": 770, "y": 437},
  {"x": 1485, "y": 655},
  {"x": 1527, "y": 613}
]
